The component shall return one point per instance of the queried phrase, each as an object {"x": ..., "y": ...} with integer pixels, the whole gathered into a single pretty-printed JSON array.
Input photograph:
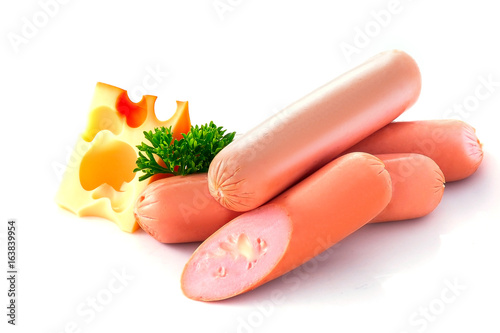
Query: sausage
[
  {"x": 265, "y": 243},
  {"x": 417, "y": 186},
  {"x": 312, "y": 131},
  {"x": 180, "y": 209},
  {"x": 451, "y": 143}
]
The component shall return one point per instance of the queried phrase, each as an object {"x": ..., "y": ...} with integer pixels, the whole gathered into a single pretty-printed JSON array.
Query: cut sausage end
[{"x": 237, "y": 258}]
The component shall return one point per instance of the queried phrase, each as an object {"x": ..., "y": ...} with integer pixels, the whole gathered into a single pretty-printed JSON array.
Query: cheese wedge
[{"x": 101, "y": 181}]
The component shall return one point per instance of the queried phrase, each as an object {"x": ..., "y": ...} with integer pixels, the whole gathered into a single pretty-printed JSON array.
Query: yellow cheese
[{"x": 103, "y": 182}]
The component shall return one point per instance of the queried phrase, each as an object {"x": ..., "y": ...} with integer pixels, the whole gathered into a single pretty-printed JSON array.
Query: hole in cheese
[
  {"x": 111, "y": 162},
  {"x": 135, "y": 113}
]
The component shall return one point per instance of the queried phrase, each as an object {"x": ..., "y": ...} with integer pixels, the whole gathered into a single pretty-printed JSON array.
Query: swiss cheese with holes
[{"x": 103, "y": 182}]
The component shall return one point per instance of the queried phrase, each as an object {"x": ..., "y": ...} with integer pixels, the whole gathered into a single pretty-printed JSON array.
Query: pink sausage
[
  {"x": 312, "y": 131},
  {"x": 451, "y": 143},
  {"x": 180, "y": 209},
  {"x": 265, "y": 243},
  {"x": 417, "y": 186}
]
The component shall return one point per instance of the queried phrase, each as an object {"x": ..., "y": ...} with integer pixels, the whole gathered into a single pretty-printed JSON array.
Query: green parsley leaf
[{"x": 191, "y": 154}]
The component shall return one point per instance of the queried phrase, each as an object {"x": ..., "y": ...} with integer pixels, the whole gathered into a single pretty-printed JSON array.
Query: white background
[{"x": 237, "y": 68}]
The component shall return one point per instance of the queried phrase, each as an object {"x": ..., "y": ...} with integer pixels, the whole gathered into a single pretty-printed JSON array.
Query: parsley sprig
[{"x": 193, "y": 153}]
